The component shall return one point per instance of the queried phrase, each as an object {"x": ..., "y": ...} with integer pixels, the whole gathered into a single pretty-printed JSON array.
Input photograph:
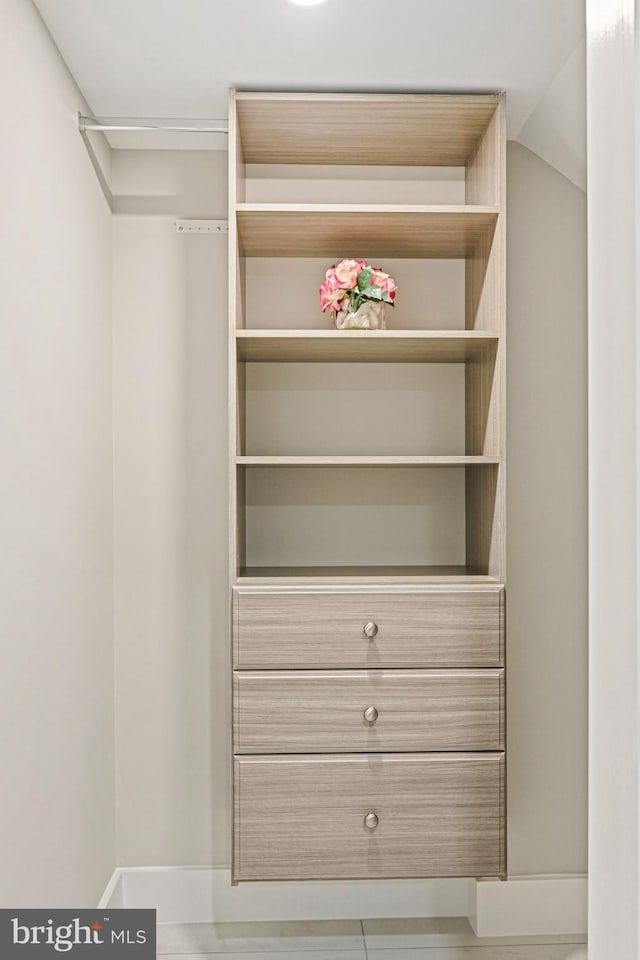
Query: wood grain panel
[
  {"x": 323, "y": 628},
  {"x": 389, "y": 575},
  {"x": 336, "y": 230},
  {"x": 322, "y": 711},
  {"x": 380, "y": 461},
  {"x": 236, "y": 173},
  {"x": 371, "y": 346},
  {"x": 440, "y": 815},
  {"x": 396, "y": 129},
  {"x": 485, "y": 379},
  {"x": 236, "y": 320}
]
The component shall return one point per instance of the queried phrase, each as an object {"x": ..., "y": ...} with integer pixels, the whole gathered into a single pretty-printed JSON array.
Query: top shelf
[{"x": 390, "y": 129}]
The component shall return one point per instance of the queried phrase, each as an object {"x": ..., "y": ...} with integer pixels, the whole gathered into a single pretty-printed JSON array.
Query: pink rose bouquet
[{"x": 354, "y": 282}]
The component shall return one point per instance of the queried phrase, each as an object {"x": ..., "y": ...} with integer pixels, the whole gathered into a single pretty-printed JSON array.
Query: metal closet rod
[{"x": 107, "y": 124}]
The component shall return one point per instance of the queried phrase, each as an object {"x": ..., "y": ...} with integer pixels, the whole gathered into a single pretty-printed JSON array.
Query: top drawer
[{"x": 276, "y": 627}]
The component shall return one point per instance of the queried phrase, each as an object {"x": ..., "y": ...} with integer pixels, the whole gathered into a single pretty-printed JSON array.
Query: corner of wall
[{"x": 528, "y": 906}]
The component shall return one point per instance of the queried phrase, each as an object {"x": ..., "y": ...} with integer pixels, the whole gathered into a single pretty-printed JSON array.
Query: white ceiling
[{"x": 177, "y": 58}]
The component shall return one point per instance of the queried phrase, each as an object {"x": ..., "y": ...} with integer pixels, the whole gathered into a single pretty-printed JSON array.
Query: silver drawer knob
[
  {"x": 371, "y": 714},
  {"x": 370, "y": 629},
  {"x": 371, "y": 821}
]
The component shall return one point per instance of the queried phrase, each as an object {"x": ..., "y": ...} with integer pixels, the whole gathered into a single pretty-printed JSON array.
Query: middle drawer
[{"x": 329, "y": 711}]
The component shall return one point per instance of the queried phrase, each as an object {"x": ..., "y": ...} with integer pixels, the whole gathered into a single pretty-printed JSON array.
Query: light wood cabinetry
[
  {"x": 306, "y": 817},
  {"x": 303, "y": 628},
  {"x": 367, "y": 479},
  {"x": 357, "y": 711}
]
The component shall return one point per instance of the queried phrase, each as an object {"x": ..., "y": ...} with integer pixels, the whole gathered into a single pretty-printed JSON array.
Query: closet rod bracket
[{"x": 202, "y": 227}]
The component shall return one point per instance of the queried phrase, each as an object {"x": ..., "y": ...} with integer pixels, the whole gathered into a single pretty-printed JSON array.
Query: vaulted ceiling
[{"x": 177, "y": 58}]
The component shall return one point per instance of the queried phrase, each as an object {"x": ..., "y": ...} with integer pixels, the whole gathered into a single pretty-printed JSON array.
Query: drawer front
[
  {"x": 324, "y": 711},
  {"x": 299, "y": 629},
  {"x": 438, "y": 815}
]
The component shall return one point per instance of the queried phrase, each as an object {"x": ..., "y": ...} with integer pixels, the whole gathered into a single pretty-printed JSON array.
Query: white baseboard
[
  {"x": 522, "y": 906},
  {"x": 526, "y": 906},
  {"x": 205, "y": 895},
  {"x": 113, "y": 895}
]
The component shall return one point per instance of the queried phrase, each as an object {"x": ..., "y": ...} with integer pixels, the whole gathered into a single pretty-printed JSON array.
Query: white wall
[
  {"x": 56, "y": 681},
  {"x": 171, "y": 594},
  {"x": 613, "y": 69},
  {"x": 546, "y": 519},
  {"x": 171, "y": 514}
]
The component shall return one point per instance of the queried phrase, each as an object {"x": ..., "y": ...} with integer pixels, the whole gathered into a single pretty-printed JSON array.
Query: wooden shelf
[
  {"x": 347, "y": 230},
  {"x": 359, "y": 574},
  {"x": 396, "y": 129},
  {"x": 353, "y": 346},
  {"x": 460, "y": 461}
]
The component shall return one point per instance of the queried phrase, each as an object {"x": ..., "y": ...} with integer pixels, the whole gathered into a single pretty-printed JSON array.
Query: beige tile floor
[{"x": 444, "y": 939}]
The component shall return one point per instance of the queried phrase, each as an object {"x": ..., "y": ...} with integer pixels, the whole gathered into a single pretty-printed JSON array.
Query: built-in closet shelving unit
[{"x": 367, "y": 555}]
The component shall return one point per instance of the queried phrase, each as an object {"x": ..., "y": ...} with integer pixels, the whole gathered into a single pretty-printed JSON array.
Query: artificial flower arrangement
[{"x": 355, "y": 293}]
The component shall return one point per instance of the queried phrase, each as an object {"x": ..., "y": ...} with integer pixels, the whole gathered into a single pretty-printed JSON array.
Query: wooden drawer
[
  {"x": 322, "y": 711},
  {"x": 438, "y": 815},
  {"x": 429, "y": 627}
]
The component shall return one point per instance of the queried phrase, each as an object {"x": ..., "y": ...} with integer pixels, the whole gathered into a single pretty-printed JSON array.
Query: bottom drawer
[{"x": 433, "y": 815}]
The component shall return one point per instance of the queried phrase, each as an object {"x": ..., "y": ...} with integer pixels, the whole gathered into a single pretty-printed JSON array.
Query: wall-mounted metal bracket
[
  {"x": 202, "y": 227},
  {"x": 95, "y": 163}
]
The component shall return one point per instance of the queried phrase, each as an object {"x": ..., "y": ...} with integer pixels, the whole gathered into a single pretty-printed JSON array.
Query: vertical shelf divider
[
  {"x": 236, "y": 370},
  {"x": 485, "y": 380}
]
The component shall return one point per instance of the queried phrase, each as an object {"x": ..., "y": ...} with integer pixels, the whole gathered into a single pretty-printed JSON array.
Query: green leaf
[
  {"x": 364, "y": 278},
  {"x": 373, "y": 293},
  {"x": 386, "y": 297}
]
